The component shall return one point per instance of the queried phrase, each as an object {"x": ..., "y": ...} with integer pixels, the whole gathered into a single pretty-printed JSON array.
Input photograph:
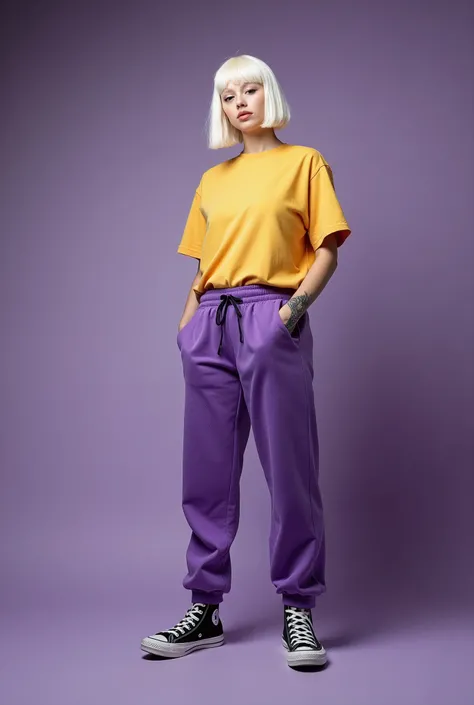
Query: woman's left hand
[{"x": 285, "y": 313}]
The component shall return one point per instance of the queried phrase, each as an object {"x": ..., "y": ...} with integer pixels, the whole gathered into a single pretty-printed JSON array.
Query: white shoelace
[
  {"x": 299, "y": 627},
  {"x": 190, "y": 620}
]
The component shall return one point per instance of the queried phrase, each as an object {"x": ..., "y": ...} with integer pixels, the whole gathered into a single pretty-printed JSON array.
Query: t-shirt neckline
[{"x": 265, "y": 151}]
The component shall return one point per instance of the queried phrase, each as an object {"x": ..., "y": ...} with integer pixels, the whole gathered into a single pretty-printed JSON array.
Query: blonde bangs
[{"x": 240, "y": 69}]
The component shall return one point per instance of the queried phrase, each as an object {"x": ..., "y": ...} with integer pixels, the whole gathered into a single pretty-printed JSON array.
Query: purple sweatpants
[{"x": 243, "y": 369}]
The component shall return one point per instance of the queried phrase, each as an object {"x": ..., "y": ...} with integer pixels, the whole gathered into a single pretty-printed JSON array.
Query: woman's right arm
[{"x": 192, "y": 302}]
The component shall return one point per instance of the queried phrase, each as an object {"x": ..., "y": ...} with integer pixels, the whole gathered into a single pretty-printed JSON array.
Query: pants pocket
[
  {"x": 296, "y": 332},
  {"x": 184, "y": 329}
]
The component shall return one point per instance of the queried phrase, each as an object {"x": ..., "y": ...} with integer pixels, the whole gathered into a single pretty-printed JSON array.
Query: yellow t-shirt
[{"x": 258, "y": 218}]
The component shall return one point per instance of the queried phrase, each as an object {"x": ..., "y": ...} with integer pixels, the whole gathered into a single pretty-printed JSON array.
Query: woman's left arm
[{"x": 312, "y": 285}]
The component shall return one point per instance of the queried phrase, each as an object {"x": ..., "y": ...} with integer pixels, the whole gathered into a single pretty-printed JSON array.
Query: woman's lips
[{"x": 245, "y": 116}]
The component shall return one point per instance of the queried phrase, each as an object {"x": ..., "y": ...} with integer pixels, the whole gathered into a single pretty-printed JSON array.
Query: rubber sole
[
  {"x": 162, "y": 648},
  {"x": 305, "y": 658}
]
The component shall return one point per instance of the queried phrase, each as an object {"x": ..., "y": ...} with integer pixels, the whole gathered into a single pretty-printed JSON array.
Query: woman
[{"x": 265, "y": 227}]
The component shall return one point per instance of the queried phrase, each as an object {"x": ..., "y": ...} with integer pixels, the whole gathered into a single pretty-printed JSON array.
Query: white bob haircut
[{"x": 252, "y": 70}]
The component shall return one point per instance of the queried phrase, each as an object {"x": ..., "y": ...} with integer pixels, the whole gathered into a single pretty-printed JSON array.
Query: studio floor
[{"x": 89, "y": 656}]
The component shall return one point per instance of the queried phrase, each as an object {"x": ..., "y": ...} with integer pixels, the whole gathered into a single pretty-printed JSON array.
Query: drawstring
[{"x": 227, "y": 299}]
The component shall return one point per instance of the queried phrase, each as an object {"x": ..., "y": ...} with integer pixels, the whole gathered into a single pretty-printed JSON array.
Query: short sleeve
[
  {"x": 194, "y": 229},
  {"x": 325, "y": 215}
]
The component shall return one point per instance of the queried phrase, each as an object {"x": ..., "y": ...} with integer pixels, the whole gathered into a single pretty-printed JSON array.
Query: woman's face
[{"x": 238, "y": 98}]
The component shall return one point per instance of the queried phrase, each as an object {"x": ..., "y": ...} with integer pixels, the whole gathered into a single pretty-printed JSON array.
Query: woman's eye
[{"x": 249, "y": 90}]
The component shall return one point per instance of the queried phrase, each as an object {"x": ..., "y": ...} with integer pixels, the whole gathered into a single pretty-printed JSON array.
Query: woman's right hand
[{"x": 183, "y": 322}]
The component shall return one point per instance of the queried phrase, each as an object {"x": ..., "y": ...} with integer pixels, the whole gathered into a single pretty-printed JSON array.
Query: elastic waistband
[{"x": 248, "y": 293}]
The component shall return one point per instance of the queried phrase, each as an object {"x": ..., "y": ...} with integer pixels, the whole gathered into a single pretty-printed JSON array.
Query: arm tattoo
[{"x": 298, "y": 305}]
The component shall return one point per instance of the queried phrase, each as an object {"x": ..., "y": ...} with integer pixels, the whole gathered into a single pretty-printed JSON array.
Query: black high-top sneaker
[
  {"x": 200, "y": 628},
  {"x": 299, "y": 639}
]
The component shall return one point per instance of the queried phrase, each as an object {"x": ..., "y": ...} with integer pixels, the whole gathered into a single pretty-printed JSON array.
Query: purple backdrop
[{"x": 103, "y": 144}]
